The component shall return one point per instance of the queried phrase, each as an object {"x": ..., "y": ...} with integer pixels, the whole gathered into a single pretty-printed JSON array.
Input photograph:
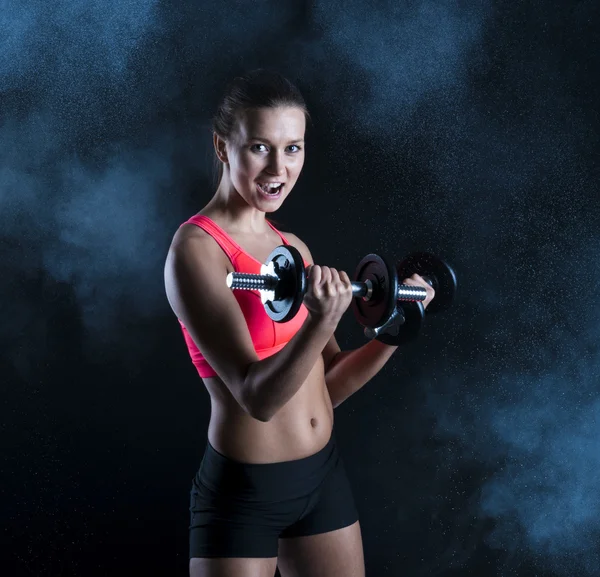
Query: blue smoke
[
  {"x": 537, "y": 431},
  {"x": 63, "y": 65},
  {"x": 69, "y": 41},
  {"x": 399, "y": 54},
  {"x": 549, "y": 482}
]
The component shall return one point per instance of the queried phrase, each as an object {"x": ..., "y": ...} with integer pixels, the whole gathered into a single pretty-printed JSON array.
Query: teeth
[{"x": 270, "y": 186}]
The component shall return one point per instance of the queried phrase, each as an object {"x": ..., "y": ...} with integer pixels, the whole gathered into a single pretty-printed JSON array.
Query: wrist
[{"x": 321, "y": 323}]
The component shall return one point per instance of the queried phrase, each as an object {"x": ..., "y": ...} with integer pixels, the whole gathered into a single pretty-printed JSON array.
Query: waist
[
  {"x": 279, "y": 480},
  {"x": 300, "y": 428}
]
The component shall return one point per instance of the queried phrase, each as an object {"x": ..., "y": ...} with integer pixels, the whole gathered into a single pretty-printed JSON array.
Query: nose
[{"x": 276, "y": 164}]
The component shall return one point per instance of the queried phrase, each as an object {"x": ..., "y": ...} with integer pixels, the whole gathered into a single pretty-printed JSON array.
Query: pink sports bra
[{"x": 267, "y": 336}]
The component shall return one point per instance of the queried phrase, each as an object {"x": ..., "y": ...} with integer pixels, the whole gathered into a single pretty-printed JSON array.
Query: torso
[{"x": 299, "y": 429}]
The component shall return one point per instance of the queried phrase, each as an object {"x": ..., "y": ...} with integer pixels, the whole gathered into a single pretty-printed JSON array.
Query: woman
[{"x": 271, "y": 488}]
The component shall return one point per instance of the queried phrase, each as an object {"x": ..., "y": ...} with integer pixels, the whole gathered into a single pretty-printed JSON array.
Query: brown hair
[{"x": 256, "y": 89}]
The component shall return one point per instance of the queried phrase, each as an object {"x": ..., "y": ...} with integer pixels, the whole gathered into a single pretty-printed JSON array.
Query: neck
[{"x": 235, "y": 213}]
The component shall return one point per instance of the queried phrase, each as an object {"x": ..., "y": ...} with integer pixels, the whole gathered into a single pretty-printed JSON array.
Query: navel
[{"x": 313, "y": 423}]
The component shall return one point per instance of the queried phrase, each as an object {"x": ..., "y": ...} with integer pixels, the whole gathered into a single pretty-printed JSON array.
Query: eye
[
  {"x": 295, "y": 146},
  {"x": 255, "y": 146}
]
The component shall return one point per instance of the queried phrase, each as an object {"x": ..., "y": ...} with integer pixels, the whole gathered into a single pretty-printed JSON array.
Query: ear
[{"x": 220, "y": 148}]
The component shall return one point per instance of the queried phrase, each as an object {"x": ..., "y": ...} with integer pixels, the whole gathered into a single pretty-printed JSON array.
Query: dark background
[{"x": 469, "y": 129}]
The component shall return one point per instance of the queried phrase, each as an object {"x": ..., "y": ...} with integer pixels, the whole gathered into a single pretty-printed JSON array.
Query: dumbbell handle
[{"x": 264, "y": 282}]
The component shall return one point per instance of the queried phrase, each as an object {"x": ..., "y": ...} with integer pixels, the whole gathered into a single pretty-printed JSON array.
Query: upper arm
[
  {"x": 195, "y": 274},
  {"x": 331, "y": 348}
]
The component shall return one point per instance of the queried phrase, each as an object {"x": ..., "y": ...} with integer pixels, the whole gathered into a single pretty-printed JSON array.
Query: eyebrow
[{"x": 267, "y": 140}]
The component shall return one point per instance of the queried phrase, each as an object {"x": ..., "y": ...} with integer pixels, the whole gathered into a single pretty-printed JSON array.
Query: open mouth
[{"x": 270, "y": 189}]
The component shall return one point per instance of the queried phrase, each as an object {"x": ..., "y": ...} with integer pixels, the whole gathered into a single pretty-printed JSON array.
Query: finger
[
  {"x": 329, "y": 283},
  {"x": 421, "y": 281},
  {"x": 417, "y": 282},
  {"x": 346, "y": 282},
  {"x": 345, "y": 278},
  {"x": 326, "y": 274},
  {"x": 316, "y": 274},
  {"x": 336, "y": 284}
]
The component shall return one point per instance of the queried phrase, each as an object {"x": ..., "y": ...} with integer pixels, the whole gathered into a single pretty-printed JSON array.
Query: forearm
[
  {"x": 349, "y": 371},
  {"x": 273, "y": 381}
]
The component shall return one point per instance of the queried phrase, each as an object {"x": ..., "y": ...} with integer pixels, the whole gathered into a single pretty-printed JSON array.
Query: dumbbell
[
  {"x": 282, "y": 286},
  {"x": 400, "y": 322}
]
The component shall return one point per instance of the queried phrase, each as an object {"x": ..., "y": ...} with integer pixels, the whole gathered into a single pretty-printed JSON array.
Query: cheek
[
  {"x": 297, "y": 166},
  {"x": 243, "y": 164},
  {"x": 252, "y": 167}
]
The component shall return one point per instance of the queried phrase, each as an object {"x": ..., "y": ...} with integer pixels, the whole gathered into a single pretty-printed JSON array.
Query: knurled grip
[
  {"x": 247, "y": 281},
  {"x": 408, "y": 292}
]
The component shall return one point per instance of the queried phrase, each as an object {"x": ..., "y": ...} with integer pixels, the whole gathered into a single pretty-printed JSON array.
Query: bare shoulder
[
  {"x": 189, "y": 231},
  {"x": 300, "y": 245},
  {"x": 190, "y": 237}
]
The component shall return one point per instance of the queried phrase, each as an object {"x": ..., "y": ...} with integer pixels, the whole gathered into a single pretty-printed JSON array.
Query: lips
[
  {"x": 266, "y": 185},
  {"x": 268, "y": 194}
]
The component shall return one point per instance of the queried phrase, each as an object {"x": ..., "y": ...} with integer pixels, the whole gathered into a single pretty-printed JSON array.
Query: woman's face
[{"x": 267, "y": 149}]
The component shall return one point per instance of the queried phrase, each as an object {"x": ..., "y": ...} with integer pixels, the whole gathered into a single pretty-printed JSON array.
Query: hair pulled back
[{"x": 256, "y": 89}]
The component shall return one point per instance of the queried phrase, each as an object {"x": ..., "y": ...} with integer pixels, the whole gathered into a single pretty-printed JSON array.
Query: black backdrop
[{"x": 466, "y": 129}]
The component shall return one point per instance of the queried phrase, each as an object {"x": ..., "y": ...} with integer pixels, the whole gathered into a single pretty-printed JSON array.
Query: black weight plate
[
  {"x": 414, "y": 313},
  {"x": 289, "y": 293},
  {"x": 377, "y": 310},
  {"x": 440, "y": 273}
]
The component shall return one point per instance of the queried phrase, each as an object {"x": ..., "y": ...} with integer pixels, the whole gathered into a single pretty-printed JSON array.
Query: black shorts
[{"x": 241, "y": 510}]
